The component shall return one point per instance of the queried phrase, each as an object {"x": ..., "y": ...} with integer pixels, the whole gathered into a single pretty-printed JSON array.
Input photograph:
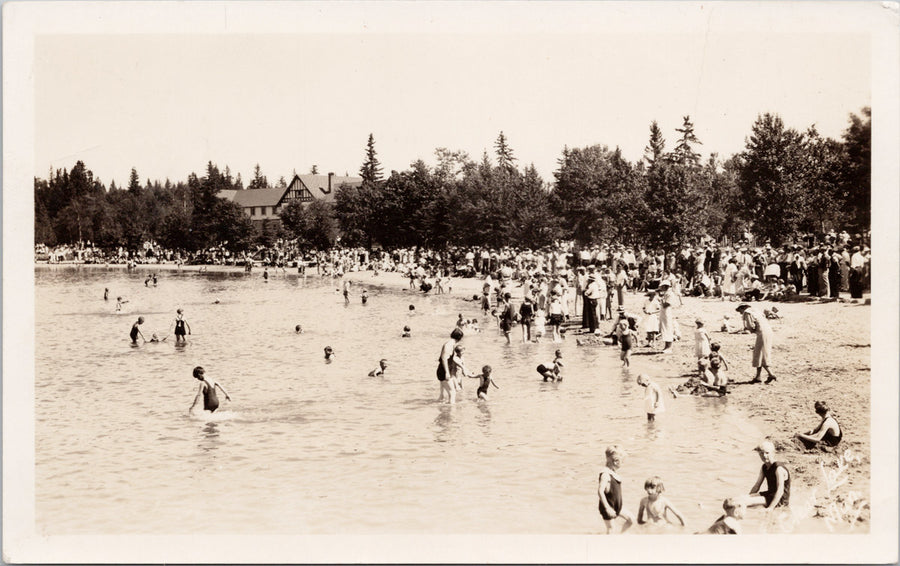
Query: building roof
[
  {"x": 227, "y": 195},
  {"x": 318, "y": 184},
  {"x": 258, "y": 197}
]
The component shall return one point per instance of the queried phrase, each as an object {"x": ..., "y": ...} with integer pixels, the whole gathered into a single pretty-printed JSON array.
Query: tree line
[{"x": 784, "y": 183}]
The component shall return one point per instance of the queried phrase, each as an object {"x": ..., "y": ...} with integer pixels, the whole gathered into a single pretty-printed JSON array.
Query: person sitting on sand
[
  {"x": 729, "y": 523},
  {"x": 379, "y": 371},
  {"x": 777, "y": 478},
  {"x": 656, "y": 507},
  {"x": 207, "y": 392},
  {"x": 828, "y": 433}
]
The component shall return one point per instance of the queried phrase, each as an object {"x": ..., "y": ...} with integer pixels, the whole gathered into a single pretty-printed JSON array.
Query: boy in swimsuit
[
  {"x": 136, "y": 330},
  {"x": 207, "y": 392},
  {"x": 609, "y": 491},
  {"x": 777, "y": 478},
  {"x": 729, "y": 523},
  {"x": 379, "y": 371},
  {"x": 655, "y": 507},
  {"x": 486, "y": 382},
  {"x": 119, "y": 304}
]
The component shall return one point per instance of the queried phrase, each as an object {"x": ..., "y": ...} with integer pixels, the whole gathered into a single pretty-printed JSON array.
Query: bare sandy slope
[{"x": 821, "y": 352}]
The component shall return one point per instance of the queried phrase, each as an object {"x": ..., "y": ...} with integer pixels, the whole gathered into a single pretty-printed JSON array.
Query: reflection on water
[{"x": 411, "y": 464}]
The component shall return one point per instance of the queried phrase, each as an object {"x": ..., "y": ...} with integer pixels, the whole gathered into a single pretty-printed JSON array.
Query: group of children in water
[{"x": 654, "y": 508}]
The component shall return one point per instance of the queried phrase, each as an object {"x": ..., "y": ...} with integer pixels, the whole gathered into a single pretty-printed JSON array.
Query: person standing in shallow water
[
  {"x": 444, "y": 373},
  {"x": 609, "y": 491},
  {"x": 207, "y": 392},
  {"x": 181, "y": 327},
  {"x": 136, "y": 330}
]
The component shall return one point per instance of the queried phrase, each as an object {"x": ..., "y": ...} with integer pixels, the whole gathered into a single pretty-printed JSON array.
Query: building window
[
  {"x": 252, "y": 211},
  {"x": 263, "y": 211}
]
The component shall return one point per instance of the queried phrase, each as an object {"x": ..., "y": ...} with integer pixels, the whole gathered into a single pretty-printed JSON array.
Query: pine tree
[
  {"x": 505, "y": 158},
  {"x": 683, "y": 153},
  {"x": 259, "y": 180},
  {"x": 371, "y": 169},
  {"x": 314, "y": 170},
  {"x": 134, "y": 182},
  {"x": 657, "y": 145}
]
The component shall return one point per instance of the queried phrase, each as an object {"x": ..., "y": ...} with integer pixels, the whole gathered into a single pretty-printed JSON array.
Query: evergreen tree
[
  {"x": 684, "y": 153},
  {"x": 259, "y": 180},
  {"x": 856, "y": 182},
  {"x": 657, "y": 146},
  {"x": 314, "y": 170},
  {"x": 505, "y": 158},
  {"x": 134, "y": 182},
  {"x": 371, "y": 168}
]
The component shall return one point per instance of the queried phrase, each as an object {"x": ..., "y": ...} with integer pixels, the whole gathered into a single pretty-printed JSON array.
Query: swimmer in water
[
  {"x": 407, "y": 332},
  {"x": 379, "y": 371},
  {"x": 329, "y": 353},
  {"x": 298, "y": 329},
  {"x": 106, "y": 294},
  {"x": 136, "y": 330},
  {"x": 207, "y": 392},
  {"x": 120, "y": 303},
  {"x": 364, "y": 297}
]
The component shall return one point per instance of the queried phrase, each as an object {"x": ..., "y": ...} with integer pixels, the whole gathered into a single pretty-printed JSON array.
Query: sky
[{"x": 167, "y": 103}]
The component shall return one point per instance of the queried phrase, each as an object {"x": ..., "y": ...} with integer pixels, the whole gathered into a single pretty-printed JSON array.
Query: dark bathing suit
[
  {"x": 179, "y": 327},
  {"x": 613, "y": 497},
  {"x": 771, "y": 481},
  {"x": 441, "y": 374},
  {"x": 210, "y": 399},
  {"x": 830, "y": 439},
  {"x": 134, "y": 333},
  {"x": 483, "y": 388},
  {"x": 720, "y": 527}
]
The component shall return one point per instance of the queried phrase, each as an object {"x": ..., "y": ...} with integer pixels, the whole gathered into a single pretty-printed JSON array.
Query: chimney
[{"x": 330, "y": 176}]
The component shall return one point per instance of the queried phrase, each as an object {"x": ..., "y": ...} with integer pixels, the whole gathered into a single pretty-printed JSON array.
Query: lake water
[{"x": 310, "y": 447}]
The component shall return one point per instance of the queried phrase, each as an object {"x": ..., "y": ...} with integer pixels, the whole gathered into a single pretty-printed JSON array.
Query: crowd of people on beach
[{"x": 553, "y": 288}]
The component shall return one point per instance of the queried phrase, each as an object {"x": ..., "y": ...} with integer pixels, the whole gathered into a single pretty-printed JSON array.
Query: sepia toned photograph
[{"x": 300, "y": 282}]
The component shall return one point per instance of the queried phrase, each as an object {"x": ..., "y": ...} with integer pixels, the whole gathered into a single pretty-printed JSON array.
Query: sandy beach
[{"x": 821, "y": 352}]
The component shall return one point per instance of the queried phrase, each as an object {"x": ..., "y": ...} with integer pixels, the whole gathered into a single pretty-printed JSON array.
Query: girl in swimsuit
[
  {"x": 486, "y": 382},
  {"x": 655, "y": 508},
  {"x": 207, "y": 392}
]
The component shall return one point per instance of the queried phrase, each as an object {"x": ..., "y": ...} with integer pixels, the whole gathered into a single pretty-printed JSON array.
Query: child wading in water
[
  {"x": 207, "y": 392},
  {"x": 653, "y": 402},
  {"x": 181, "y": 326},
  {"x": 655, "y": 508},
  {"x": 609, "y": 491},
  {"x": 553, "y": 371},
  {"x": 486, "y": 382}
]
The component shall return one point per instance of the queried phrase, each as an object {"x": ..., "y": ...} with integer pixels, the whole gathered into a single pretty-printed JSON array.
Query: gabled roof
[
  {"x": 258, "y": 197},
  {"x": 318, "y": 184},
  {"x": 227, "y": 195}
]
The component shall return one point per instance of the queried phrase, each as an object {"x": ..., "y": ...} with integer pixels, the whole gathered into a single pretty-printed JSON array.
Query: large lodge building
[{"x": 262, "y": 205}]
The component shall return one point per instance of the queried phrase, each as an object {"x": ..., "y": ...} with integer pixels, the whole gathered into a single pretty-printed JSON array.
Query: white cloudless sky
[{"x": 167, "y": 103}]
